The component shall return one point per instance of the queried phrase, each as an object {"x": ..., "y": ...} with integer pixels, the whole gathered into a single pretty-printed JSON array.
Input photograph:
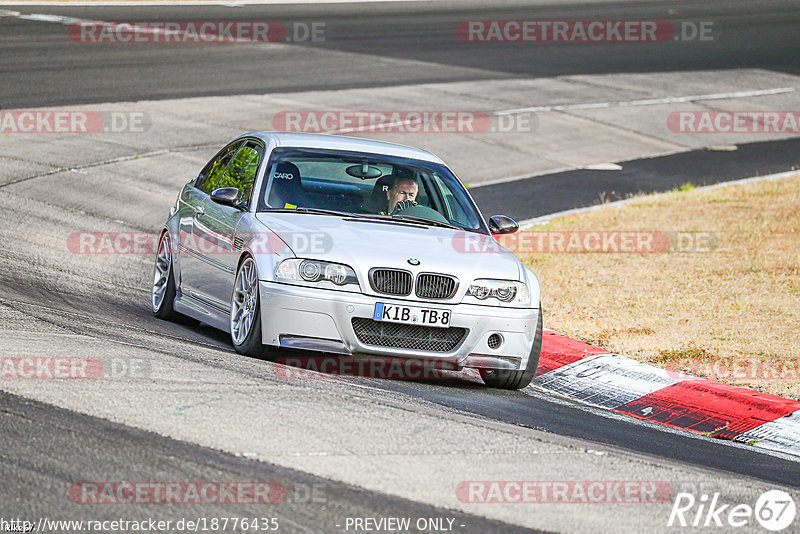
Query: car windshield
[{"x": 367, "y": 185}]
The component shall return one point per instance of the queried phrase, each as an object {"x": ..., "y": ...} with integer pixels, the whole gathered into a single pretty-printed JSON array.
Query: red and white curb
[{"x": 599, "y": 378}]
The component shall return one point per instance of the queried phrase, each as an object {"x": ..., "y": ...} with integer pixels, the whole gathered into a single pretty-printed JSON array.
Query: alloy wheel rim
[
  {"x": 161, "y": 272},
  {"x": 245, "y": 301}
]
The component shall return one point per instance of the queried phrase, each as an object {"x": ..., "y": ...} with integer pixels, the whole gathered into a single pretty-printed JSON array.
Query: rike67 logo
[{"x": 774, "y": 510}]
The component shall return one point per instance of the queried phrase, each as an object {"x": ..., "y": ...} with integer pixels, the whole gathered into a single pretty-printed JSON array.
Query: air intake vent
[{"x": 405, "y": 336}]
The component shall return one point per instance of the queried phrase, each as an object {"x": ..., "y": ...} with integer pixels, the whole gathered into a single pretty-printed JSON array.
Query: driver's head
[{"x": 402, "y": 188}]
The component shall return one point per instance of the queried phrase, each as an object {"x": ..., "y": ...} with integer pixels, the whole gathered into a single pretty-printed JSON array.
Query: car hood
[{"x": 364, "y": 244}]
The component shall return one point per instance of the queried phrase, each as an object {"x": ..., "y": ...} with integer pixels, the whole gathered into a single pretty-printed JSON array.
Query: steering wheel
[{"x": 423, "y": 212}]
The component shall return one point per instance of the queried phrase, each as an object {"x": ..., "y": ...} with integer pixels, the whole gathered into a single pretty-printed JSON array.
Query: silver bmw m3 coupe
[{"x": 352, "y": 247}]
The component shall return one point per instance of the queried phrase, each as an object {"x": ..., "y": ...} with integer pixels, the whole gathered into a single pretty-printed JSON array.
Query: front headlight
[
  {"x": 323, "y": 274},
  {"x": 499, "y": 293}
]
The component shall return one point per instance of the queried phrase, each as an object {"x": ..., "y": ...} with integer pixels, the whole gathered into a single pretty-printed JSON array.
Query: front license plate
[{"x": 391, "y": 313}]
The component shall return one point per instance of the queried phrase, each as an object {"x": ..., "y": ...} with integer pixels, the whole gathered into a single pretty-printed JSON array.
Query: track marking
[
  {"x": 590, "y": 105},
  {"x": 180, "y": 409},
  {"x": 119, "y": 159},
  {"x": 651, "y": 101},
  {"x": 43, "y": 17},
  {"x": 718, "y": 410},
  {"x": 780, "y": 435},
  {"x": 605, "y": 380}
]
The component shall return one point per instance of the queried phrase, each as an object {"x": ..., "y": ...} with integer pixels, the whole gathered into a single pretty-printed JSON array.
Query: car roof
[{"x": 340, "y": 142}]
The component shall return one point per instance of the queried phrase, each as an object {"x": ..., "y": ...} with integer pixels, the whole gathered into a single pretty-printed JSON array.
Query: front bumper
[{"x": 321, "y": 320}]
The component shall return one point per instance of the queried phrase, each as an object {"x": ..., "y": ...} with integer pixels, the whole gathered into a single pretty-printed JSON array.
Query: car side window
[
  {"x": 241, "y": 172},
  {"x": 210, "y": 175}
]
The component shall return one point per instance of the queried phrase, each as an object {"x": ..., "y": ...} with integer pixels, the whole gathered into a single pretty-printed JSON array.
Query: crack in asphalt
[{"x": 119, "y": 159}]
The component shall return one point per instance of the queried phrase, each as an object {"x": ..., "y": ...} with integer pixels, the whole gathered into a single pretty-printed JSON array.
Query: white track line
[
  {"x": 41, "y": 17},
  {"x": 592, "y": 105},
  {"x": 650, "y": 101}
]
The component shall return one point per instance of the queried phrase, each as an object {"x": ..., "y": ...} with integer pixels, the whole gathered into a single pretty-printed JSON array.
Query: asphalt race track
[
  {"x": 197, "y": 411},
  {"x": 542, "y": 195},
  {"x": 115, "y": 448},
  {"x": 762, "y": 36}
]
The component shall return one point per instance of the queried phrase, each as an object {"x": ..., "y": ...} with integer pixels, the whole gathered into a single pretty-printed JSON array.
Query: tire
[
  {"x": 245, "y": 319},
  {"x": 507, "y": 379},
  {"x": 163, "y": 294}
]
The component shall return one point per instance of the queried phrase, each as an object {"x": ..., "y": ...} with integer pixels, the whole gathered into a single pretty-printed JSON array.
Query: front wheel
[
  {"x": 246, "y": 311},
  {"x": 163, "y": 295},
  {"x": 507, "y": 379}
]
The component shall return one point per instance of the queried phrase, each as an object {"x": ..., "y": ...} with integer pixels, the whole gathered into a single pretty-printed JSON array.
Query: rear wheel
[
  {"x": 163, "y": 295},
  {"x": 507, "y": 379},
  {"x": 246, "y": 311}
]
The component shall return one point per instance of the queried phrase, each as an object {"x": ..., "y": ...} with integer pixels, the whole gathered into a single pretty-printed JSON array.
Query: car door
[
  {"x": 194, "y": 252},
  {"x": 216, "y": 227}
]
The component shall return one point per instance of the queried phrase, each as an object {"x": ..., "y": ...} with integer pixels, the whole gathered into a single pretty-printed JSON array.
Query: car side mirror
[
  {"x": 500, "y": 224},
  {"x": 227, "y": 196}
]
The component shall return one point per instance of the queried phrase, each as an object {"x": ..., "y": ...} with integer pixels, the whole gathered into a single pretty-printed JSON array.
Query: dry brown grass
[{"x": 732, "y": 314}]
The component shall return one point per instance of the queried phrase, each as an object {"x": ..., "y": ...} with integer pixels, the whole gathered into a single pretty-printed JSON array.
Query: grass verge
[{"x": 729, "y": 312}]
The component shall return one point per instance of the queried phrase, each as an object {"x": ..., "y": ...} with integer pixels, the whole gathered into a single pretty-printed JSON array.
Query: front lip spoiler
[
  {"x": 314, "y": 344},
  {"x": 486, "y": 361}
]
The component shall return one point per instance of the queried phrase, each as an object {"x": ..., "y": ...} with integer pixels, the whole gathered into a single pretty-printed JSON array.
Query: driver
[{"x": 402, "y": 194}]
